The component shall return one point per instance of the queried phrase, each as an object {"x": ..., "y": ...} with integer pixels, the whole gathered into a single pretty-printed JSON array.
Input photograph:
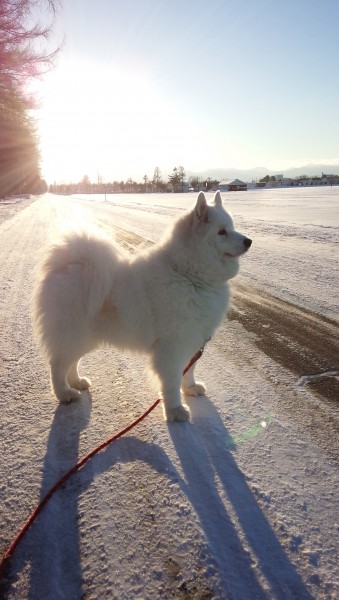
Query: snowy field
[
  {"x": 295, "y": 234},
  {"x": 240, "y": 503}
]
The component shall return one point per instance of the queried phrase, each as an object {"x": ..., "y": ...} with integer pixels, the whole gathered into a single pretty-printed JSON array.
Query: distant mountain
[
  {"x": 312, "y": 170},
  {"x": 259, "y": 172},
  {"x": 231, "y": 173}
]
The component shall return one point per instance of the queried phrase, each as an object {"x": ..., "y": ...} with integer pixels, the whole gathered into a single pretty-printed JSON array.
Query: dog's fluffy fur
[{"x": 166, "y": 302}]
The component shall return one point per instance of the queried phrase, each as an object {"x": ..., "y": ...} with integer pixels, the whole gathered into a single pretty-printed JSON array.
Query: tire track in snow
[
  {"x": 20, "y": 238},
  {"x": 301, "y": 341},
  {"x": 16, "y": 243}
]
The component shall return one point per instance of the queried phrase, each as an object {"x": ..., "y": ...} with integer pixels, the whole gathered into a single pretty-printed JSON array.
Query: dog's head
[
  {"x": 219, "y": 228},
  {"x": 204, "y": 243}
]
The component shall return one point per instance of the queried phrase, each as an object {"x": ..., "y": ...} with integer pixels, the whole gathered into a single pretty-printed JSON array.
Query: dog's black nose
[{"x": 247, "y": 242}]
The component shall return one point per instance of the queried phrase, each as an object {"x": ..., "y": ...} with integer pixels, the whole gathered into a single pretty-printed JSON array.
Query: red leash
[{"x": 77, "y": 467}]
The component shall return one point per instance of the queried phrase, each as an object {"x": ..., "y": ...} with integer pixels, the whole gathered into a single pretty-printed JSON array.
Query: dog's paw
[
  {"x": 70, "y": 395},
  {"x": 198, "y": 389},
  {"x": 81, "y": 384},
  {"x": 179, "y": 413}
]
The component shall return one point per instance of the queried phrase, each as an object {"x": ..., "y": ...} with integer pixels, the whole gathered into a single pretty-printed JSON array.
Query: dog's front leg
[
  {"x": 190, "y": 387},
  {"x": 168, "y": 364}
]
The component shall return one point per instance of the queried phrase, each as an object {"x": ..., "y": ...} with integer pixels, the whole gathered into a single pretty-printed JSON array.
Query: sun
[
  {"x": 105, "y": 120},
  {"x": 90, "y": 117},
  {"x": 114, "y": 122}
]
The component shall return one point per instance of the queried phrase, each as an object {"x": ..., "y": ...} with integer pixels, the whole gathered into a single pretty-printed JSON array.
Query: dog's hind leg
[
  {"x": 61, "y": 387},
  {"x": 190, "y": 387},
  {"x": 74, "y": 379}
]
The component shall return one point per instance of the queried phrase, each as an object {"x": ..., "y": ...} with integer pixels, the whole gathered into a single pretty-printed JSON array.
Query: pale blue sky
[{"x": 200, "y": 83}]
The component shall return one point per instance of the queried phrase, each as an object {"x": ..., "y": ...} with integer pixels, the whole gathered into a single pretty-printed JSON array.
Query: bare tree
[
  {"x": 157, "y": 180},
  {"x": 20, "y": 56},
  {"x": 195, "y": 182},
  {"x": 21, "y": 59},
  {"x": 146, "y": 183},
  {"x": 181, "y": 176}
]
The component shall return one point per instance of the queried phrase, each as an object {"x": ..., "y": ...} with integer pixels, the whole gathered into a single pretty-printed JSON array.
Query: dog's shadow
[
  {"x": 51, "y": 545},
  {"x": 204, "y": 450}
]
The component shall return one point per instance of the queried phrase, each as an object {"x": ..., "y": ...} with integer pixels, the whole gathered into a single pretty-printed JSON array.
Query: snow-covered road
[{"x": 240, "y": 503}]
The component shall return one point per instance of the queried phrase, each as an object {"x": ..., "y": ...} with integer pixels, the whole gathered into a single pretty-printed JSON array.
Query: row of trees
[
  {"x": 175, "y": 183},
  {"x": 21, "y": 60}
]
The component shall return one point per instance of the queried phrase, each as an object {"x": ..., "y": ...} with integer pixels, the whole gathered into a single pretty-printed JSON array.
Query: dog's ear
[
  {"x": 217, "y": 199},
  {"x": 201, "y": 209}
]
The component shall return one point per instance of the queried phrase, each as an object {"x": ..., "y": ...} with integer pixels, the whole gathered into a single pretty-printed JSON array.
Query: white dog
[{"x": 167, "y": 301}]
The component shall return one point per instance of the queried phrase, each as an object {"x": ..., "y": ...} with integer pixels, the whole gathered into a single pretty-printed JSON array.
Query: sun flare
[{"x": 109, "y": 122}]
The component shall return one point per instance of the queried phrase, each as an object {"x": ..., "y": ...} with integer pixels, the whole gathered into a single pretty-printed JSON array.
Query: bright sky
[{"x": 199, "y": 83}]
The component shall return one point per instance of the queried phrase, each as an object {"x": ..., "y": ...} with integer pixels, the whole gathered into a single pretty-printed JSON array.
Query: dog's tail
[{"x": 98, "y": 259}]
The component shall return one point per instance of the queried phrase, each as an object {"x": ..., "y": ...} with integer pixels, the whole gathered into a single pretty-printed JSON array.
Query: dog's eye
[{"x": 222, "y": 232}]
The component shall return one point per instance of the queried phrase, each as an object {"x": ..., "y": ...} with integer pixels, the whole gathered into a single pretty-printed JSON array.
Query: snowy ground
[{"x": 240, "y": 503}]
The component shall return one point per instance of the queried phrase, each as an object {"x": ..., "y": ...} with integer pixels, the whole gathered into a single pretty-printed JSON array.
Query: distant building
[
  {"x": 234, "y": 185},
  {"x": 329, "y": 179}
]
